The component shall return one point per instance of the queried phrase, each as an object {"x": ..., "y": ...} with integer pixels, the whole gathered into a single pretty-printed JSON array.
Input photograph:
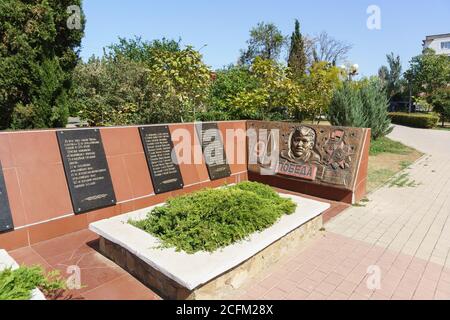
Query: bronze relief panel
[{"x": 319, "y": 154}]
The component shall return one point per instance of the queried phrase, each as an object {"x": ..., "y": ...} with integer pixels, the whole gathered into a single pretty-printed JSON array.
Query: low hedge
[
  {"x": 416, "y": 120},
  {"x": 211, "y": 219}
]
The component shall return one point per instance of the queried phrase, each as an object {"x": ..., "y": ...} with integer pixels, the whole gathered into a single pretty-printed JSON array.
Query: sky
[{"x": 221, "y": 28}]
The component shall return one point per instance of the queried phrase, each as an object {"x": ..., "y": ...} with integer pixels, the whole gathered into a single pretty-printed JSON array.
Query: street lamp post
[{"x": 350, "y": 71}]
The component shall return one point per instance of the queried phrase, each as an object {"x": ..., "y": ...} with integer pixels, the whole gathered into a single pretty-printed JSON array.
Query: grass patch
[
  {"x": 379, "y": 177},
  {"x": 18, "y": 284},
  {"x": 402, "y": 181},
  {"x": 405, "y": 164},
  {"x": 215, "y": 218},
  {"x": 386, "y": 145},
  {"x": 387, "y": 158}
]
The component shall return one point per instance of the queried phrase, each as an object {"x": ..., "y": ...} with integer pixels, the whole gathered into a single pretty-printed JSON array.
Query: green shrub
[
  {"x": 215, "y": 218},
  {"x": 416, "y": 120},
  {"x": 346, "y": 109},
  {"x": 361, "y": 105},
  {"x": 18, "y": 284}
]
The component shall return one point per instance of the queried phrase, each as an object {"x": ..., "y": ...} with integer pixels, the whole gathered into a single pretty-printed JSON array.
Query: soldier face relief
[{"x": 301, "y": 146}]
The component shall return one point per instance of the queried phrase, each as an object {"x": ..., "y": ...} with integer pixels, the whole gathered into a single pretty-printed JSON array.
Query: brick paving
[{"x": 403, "y": 231}]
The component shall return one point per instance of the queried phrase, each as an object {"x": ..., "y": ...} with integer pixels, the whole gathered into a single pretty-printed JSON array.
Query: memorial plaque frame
[
  {"x": 6, "y": 221},
  {"x": 161, "y": 182},
  {"x": 215, "y": 171},
  {"x": 322, "y": 155},
  {"x": 100, "y": 193}
]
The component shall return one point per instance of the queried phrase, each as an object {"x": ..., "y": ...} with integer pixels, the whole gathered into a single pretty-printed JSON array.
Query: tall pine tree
[
  {"x": 39, "y": 48},
  {"x": 297, "y": 56}
]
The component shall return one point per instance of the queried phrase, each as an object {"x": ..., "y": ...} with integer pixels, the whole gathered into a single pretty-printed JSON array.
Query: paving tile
[
  {"x": 334, "y": 279},
  {"x": 123, "y": 288},
  {"x": 347, "y": 287},
  {"x": 315, "y": 295},
  {"x": 317, "y": 276},
  {"x": 307, "y": 285},
  {"x": 297, "y": 294},
  {"x": 325, "y": 288},
  {"x": 338, "y": 296}
]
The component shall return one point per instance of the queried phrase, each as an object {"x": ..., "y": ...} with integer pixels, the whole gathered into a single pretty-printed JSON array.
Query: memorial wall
[{"x": 54, "y": 182}]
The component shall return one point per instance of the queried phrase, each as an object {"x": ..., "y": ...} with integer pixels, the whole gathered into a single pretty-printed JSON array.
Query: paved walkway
[{"x": 404, "y": 232}]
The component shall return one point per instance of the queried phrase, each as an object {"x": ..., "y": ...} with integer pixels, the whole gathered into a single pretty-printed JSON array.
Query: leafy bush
[
  {"x": 361, "y": 105},
  {"x": 214, "y": 218},
  {"x": 18, "y": 284},
  {"x": 118, "y": 90},
  {"x": 416, "y": 120}
]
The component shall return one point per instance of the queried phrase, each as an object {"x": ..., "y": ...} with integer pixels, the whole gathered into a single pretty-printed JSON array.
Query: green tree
[
  {"x": 183, "y": 78},
  {"x": 440, "y": 100},
  {"x": 38, "y": 52},
  {"x": 116, "y": 90},
  {"x": 138, "y": 50},
  {"x": 316, "y": 91},
  {"x": 266, "y": 41},
  {"x": 346, "y": 108},
  {"x": 112, "y": 92},
  {"x": 375, "y": 108},
  {"x": 297, "y": 58},
  {"x": 391, "y": 76},
  {"x": 428, "y": 72},
  {"x": 274, "y": 95},
  {"x": 361, "y": 104},
  {"x": 229, "y": 82}
]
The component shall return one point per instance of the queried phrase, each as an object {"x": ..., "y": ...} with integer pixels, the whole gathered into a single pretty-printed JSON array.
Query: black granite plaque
[
  {"x": 86, "y": 169},
  {"x": 213, "y": 150},
  {"x": 6, "y": 222},
  {"x": 164, "y": 170}
]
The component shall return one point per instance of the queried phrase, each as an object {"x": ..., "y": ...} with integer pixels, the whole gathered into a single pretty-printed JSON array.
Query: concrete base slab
[{"x": 178, "y": 275}]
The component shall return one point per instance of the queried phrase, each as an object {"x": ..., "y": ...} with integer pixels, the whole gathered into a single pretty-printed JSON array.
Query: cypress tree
[{"x": 297, "y": 57}]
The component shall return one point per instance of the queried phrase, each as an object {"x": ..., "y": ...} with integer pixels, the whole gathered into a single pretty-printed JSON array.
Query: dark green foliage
[
  {"x": 416, "y": 120},
  {"x": 346, "y": 108},
  {"x": 297, "y": 57},
  {"x": 266, "y": 41},
  {"x": 428, "y": 72},
  {"x": 138, "y": 50},
  {"x": 215, "y": 218},
  {"x": 363, "y": 105},
  {"x": 375, "y": 109},
  {"x": 229, "y": 82},
  {"x": 18, "y": 284},
  {"x": 391, "y": 77},
  {"x": 37, "y": 54},
  {"x": 440, "y": 100}
]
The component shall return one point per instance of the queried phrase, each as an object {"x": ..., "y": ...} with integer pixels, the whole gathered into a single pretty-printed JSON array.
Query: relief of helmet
[{"x": 301, "y": 146}]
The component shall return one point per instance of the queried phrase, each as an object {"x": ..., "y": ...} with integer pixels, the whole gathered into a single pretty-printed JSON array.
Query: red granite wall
[
  {"x": 38, "y": 192},
  {"x": 40, "y": 200}
]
